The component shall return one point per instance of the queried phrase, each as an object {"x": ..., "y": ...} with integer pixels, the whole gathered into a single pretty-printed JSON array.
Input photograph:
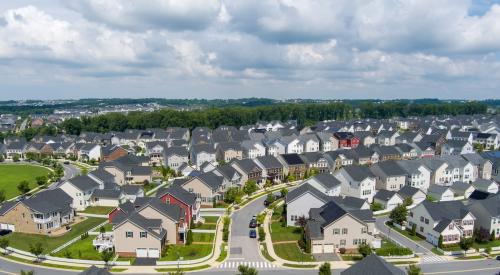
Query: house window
[
  {"x": 167, "y": 201},
  {"x": 39, "y": 226},
  {"x": 143, "y": 234},
  {"x": 450, "y": 226},
  {"x": 421, "y": 218},
  {"x": 344, "y": 231},
  {"x": 336, "y": 231},
  {"x": 421, "y": 229},
  {"x": 364, "y": 229},
  {"x": 129, "y": 234},
  {"x": 342, "y": 242},
  {"x": 426, "y": 221}
]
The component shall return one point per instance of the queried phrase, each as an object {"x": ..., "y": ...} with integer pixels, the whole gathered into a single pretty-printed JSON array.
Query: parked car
[
  {"x": 498, "y": 258},
  {"x": 66, "y": 162},
  {"x": 253, "y": 223},
  {"x": 252, "y": 234},
  {"x": 4, "y": 232}
]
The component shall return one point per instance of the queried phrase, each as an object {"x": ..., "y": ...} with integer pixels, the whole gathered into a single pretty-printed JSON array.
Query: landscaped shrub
[
  {"x": 342, "y": 250},
  {"x": 262, "y": 234},
  {"x": 394, "y": 251}
]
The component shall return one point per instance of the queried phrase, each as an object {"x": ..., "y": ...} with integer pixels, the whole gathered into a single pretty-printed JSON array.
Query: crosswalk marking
[
  {"x": 433, "y": 259},
  {"x": 257, "y": 265}
]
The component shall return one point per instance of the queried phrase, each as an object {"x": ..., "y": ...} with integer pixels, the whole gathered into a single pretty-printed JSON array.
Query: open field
[{"x": 13, "y": 174}]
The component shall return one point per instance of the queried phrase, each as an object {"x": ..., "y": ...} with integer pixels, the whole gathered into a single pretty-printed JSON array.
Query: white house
[
  {"x": 300, "y": 200},
  {"x": 417, "y": 174},
  {"x": 450, "y": 219},
  {"x": 80, "y": 189},
  {"x": 388, "y": 199},
  {"x": 440, "y": 192},
  {"x": 253, "y": 149},
  {"x": 326, "y": 183},
  {"x": 357, "y": 181},
  {"x": 487, "y": 186}
]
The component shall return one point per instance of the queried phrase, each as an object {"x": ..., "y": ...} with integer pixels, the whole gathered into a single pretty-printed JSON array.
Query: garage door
[
  {"x": 328, "y": 248},
  {"x": 154, "y": 253},
  {"x": 7, "y": 226},
  {"x": 317, "y": 248},
  {"x": 141, "y": 252}
]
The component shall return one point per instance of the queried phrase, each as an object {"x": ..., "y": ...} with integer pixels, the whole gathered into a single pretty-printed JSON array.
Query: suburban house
[
  {"x": 80, "y": 189},
  {"x": 387, "y": 138},
  {"x": 482, "y": 166},
  {"x": 327, "y": 142},
  {"x": 456, "y": 147},
  {"x": 154, "y": 150},
  {"x": 346, "y": 140},
  {"x": 332, "y": 227},
  {"x": 230, "y": 174},
  {"x": 315, "y": 160},
  {"x": 293, "y": 165},
  {"x": 128, "y": 169},
  {"x": 325, "y": 183},
  {"x": 388, "y": 199},
  {"x": 252, "y": 149},
  {"x": 248, "y": 169},
  {"x": 417, "y": 174},
  {"x": 184, "y": 199},
  {"x": 357, "y": 181},
  {"x": 208, "y": 187},
  {"x": 366, "y": 138},
  {"x": 202, "y": 153},
  {"x": 487, "y": 186},
  {"x": 227, "y": 151},
  {"x": 42, "y": 213},
  {"x": 440, "y": 192},
  {"x": 88, "y": 151},
  {"x": 143, "y": 229},
  {"x": 389, "y": 175},
  {"x": 487, "y": 140},
  {"x": 113, "y": 152},
  {"x": 462, "y": 190},
  {"x": 487, "y": 213},
  {"x": 424, "y": 149},
  {"x": 300, "y": 200},
  {"x": 450, "y": 219},
  {"x": 111, "y": 197},
  {"x": 272, "y": 168},
  {"x": 416, "y": 195},
  {"x": 175, "y": 156},
  {"x": 373, "y": 264}
]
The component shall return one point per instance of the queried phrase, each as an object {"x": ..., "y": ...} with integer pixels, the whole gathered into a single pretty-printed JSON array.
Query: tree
[
  {"x": 398, "y": 214},
  {"x": 2, "y": 159},
  {"x": 41, "y": 180},
  {"x": 232, "y": 195},
  {"x": 408, "y": 201},
  {"x": 102, "y": 230},
  {"x": 106, "y": 256},
  {"x": 84, "y": 171},
  {"x": 4, "y": 243},
  {"x": 27, "y": 272},
  {"x": 440, "y": 241},
  {"x": 268, "y": 184},
  {"x": 23, "y": 187},
  {"x": 284, "y": 192},
  {"x": 466, "y": 244},
  {"x": 325, "y": 269},
  {"x": 245, "y": 270},
  {"x": 3, "y": 197},
  {"x": 189, "y": 237},
  {"x": 250, "y": 187},
  {"x": 364, "y": 250},
  {"x": 413, "y": 270},
  {"x": 301, "y": 222},
  {"x": 377, "y": 206},
  {"x": 37, "y": 250},
  {"x": 413, "y": 229},
  {"x": 270, "y": 198},
  {"x": 15, "y": 158}
]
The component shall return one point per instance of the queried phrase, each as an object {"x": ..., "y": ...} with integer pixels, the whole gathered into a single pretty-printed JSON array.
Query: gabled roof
[
  {"x": 102, "y": 175},
  {"x": 437, "y": 189},
  {"x": 176, "y": 150},
  {"x": 373, "y": 265},
  {"x": 147, "y": 224},
  {"x": 350, "y": 203},
  {"x": 83, "y": 183},
  {"x": 306, "y": 188},
  {"x": 453, "y": 210},
  {"x": 475, "y": 158},
  {"x": 390, "y": 168},
  {"x": 49, "y": 201},
  {"x": 292, "y": 159},
  {"x": 358, "y": 173},
  {"x": 408, "y": 191},
  {"x": 227, "y": 171},
  {"x": 385, "y": 195},
  {"x": 107, "y": 193},
  {"x": 247, "y": 165},
  {"x": 327, "y": 180},
  {"x": 132, "y": 189},
  {"x": 179, "y": 193},
  {"x": 173, "y": 211},
  {"x": 270, "y": 162},
  {"x": 210, "y": 179}
]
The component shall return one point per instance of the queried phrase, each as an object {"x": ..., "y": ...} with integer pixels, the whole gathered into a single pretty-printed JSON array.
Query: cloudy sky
[{"x": 242, "y": 48}]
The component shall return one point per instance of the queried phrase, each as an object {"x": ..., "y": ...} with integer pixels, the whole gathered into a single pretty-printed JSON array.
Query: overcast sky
[{"x": 244, "y": 48}]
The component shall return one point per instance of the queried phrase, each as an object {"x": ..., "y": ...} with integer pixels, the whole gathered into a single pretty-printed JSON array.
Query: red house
[
  {"x": 346, "y": 140},
  {"x": 184, "y": 199}
]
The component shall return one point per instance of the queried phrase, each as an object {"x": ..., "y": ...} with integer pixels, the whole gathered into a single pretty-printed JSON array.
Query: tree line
[{"x": 305, "y": 114}]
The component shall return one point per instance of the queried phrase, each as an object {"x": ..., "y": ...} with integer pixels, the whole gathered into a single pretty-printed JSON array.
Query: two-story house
[
  {"x": 390, "y": 176},
  {"x": 174, "y": 157},
  {"x": 357, "y": 181}
]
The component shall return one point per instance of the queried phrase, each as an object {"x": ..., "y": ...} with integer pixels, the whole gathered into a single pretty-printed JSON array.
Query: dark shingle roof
[
  {"x": 359, "y": 173},
  {"x": 372, "y": 265},
  {"x": 327, "y": 180},
  {"x": 384, "y": 195},
  {"x": 49, "y": 201},
  {"x": 179, "y": 193},
  {"x": 292, "y": 159},
  {"x": 83, "y": 183},
  {"x": 304, "y": 189}
]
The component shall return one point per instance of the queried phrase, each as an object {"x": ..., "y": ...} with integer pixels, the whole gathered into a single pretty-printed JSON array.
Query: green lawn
[
  {"x": 22, "y": 240},
  {"x": 352, "y": 257},
  {"x": 211, "y": 219},
  {"x": 494, "y": 243},
  {"x": 99, "y": 210},
  {"x": 108, "y": 227},
  {"x": 203, "y": 237},
  {"x": 82, "y": 249},
  {"x": 406, "y": 233},
  {"x": 291, "y": 252},
  {"x": 188, "y": 252},
  {"x": 389, "y": 248},
  {"x": 289, "y": 233},
  {"x": 13, "y": 174},
  {"x": 206, "y": 226}
]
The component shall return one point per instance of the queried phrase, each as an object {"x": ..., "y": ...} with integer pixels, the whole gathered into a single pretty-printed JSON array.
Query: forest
[{"x": 305, "y": 114}]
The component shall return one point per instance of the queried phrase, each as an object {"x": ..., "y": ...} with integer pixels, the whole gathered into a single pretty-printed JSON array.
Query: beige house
[
  {"x": 143, "y": 228},
  {"x": 208, "y": 187},
  {"x": 40, "y": 214},
  {"x": 333, "y": 226}
]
